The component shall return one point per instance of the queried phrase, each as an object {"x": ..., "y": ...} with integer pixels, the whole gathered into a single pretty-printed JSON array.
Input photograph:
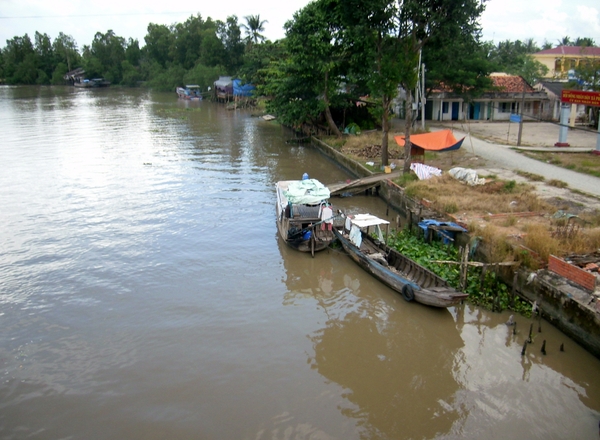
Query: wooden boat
[
  {"x": 304, "y": 215},
  {"x": 92, "y": 83},
  {"x": 190, "y": 92},
  {"x": 399, "y": 272}
]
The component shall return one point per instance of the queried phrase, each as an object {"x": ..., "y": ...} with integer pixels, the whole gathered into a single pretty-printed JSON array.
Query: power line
[{"x": 96, "y": 15}]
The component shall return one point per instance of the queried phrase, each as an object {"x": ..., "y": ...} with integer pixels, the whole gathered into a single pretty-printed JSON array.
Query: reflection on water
[{"x": 144, "y": 294}]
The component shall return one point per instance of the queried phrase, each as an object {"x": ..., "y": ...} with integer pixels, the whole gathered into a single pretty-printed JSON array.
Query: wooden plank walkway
[{"x": 362, "y": 184}]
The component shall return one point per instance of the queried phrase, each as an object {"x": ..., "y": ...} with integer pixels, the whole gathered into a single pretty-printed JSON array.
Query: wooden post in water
[
  {"x": 544, "y": 347},
  {"x": 524, "y": 349},
  {"x": 513, "y": 291},
  {"x": 530, "y": 332},
  {"x": 562, "y": 347},
  {"x": 515, "y": 329},
  {"x": 482, "y": 277}
]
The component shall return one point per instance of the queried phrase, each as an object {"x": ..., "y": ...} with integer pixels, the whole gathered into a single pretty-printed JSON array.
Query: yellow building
[{"x": 563, "y": 60}]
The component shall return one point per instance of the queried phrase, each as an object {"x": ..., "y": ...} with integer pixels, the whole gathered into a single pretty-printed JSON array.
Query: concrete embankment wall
[{"x": 559, "y": 302}]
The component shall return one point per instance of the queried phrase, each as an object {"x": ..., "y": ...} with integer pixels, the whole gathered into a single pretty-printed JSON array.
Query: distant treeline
[
  {"x": 332, "y": 57},
  {"x": 196, "y": 51}
]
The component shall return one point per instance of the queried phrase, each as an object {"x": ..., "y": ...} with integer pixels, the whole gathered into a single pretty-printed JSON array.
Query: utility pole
[
  {"x": 521, "y": 115},
  {"x": 423, "y": 100}
]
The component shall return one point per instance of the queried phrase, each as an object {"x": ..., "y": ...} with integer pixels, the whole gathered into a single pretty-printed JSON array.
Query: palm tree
[
  {"x": 566, "y": 41},
  {"x": 587, "y": 42},
  {"x": 253, "y": 28}
]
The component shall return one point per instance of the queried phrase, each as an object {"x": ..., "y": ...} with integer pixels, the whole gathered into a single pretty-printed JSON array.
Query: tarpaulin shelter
[
  {"x": 442, "y": 140},
  {"x": 240, "y": 89}
]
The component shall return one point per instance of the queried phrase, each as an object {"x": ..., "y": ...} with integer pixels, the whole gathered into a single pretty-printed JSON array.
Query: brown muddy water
[{"x": 144, "y": 294}]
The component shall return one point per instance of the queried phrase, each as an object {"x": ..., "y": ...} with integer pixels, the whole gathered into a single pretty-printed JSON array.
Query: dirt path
[{"x": 490, "y": 158}]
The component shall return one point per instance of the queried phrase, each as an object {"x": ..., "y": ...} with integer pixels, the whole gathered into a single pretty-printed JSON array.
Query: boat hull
[{"x": 400, "y": 273}]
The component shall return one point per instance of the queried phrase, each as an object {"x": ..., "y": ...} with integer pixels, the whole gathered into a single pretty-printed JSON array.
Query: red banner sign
[{"x": 581, "y": 97}]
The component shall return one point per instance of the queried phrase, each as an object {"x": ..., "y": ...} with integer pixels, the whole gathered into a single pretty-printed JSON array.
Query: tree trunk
[
  {"x": 385, "y": 128},
  {"x": 408, "y": 125},
  {"x": 330, "y": 121}
]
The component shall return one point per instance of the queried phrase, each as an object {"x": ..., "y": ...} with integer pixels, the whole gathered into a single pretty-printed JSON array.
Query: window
[
  {"x": 445, "y": 107},
  {"x": 504, "y": 107}
]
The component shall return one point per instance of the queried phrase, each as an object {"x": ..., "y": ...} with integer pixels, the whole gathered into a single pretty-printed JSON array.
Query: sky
[{"x": 542, "y": 20}]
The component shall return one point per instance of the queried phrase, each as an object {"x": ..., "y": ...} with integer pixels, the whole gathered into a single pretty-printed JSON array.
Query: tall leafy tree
[
  {"x": 45, "y": 58},
  {"x": 258, "y": 60},
  {"x": 389, "y": 37},
  {"x": 20, "y": 61},
  {"x": 160, "y": 41},
  {"x": 314, "y": 61},
  {"x": 105, "y": 56},
  {"x": 231, "y": 37},
  {"x": 515, "y": 57},
  {"x": 66, "y": 52},
  {"x": 188, "y": 40},
  {"x": 462, "y": 67}
]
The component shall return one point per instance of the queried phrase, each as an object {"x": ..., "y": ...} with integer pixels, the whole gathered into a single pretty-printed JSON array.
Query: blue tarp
[
  {"x": 445, "y": 235},
  {"x": 242, "y": 90}
]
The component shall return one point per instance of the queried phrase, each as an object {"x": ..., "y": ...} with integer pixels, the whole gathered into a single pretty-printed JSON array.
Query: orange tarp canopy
[{"x": 442, "y": 140}]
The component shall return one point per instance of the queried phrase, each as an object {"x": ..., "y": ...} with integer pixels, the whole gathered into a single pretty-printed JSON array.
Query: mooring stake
[
  {"x": 562, "y": 347},
  {"x": 515, "y": 329},
  {"x": 524, "y": 348},
  {"x": 530, "y": 332},
  {"x": 544, "y": 347}
]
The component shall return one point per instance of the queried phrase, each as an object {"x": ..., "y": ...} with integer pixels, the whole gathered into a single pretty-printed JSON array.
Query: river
[{"x": 144, "y": 294}]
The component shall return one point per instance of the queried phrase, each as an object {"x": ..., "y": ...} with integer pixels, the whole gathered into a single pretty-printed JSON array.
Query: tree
[
  {"x": 314, "y": 59},
  {"x": 253, "y": 28},
  {"x": 20, "y": 61},
  {"x": 584, "y": 42},
  {"x": 105, "y": 57},
  {"x": 231, "y": 37},
  {"x": 515, "y": 57},
  {"x": 45, "y": 58},
  {"x": 159, "y": 41},
  {"x": 588, "y": 78},
  {"x": 65, "y": 51},
  {"x": 388, "y": 37},
  {"x": 186, "y": 48},
  {"x": 462, "y": 67},
  {"x": 565, "y": 41},
  {"x": 257, "y": 61}
]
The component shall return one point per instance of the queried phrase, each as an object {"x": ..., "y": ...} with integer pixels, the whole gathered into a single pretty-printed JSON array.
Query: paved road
[{"x": 503, "y": 156}]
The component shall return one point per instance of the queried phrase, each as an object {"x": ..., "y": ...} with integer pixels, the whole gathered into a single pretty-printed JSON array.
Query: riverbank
[{"x": 568, "y": 306}]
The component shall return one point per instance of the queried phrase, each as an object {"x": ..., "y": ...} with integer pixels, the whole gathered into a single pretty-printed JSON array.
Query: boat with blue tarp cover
[{"x": 190, "y": 91}]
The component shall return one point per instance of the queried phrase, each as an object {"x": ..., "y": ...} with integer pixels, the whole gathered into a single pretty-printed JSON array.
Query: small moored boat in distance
[
  {"x": 191, "y": 92},
  {"x": 92, "y": 83},
  {"x": 304, "y": 215},
  {"x": 392, "y": 268}
]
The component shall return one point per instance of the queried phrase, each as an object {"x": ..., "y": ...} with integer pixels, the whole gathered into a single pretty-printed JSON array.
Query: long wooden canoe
[{"x": 404, "y": 275}]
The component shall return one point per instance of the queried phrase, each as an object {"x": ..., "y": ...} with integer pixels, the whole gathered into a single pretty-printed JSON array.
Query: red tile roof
[
  {"x": 571, "y": 50},
  {"x": 511, "y": 83}
]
